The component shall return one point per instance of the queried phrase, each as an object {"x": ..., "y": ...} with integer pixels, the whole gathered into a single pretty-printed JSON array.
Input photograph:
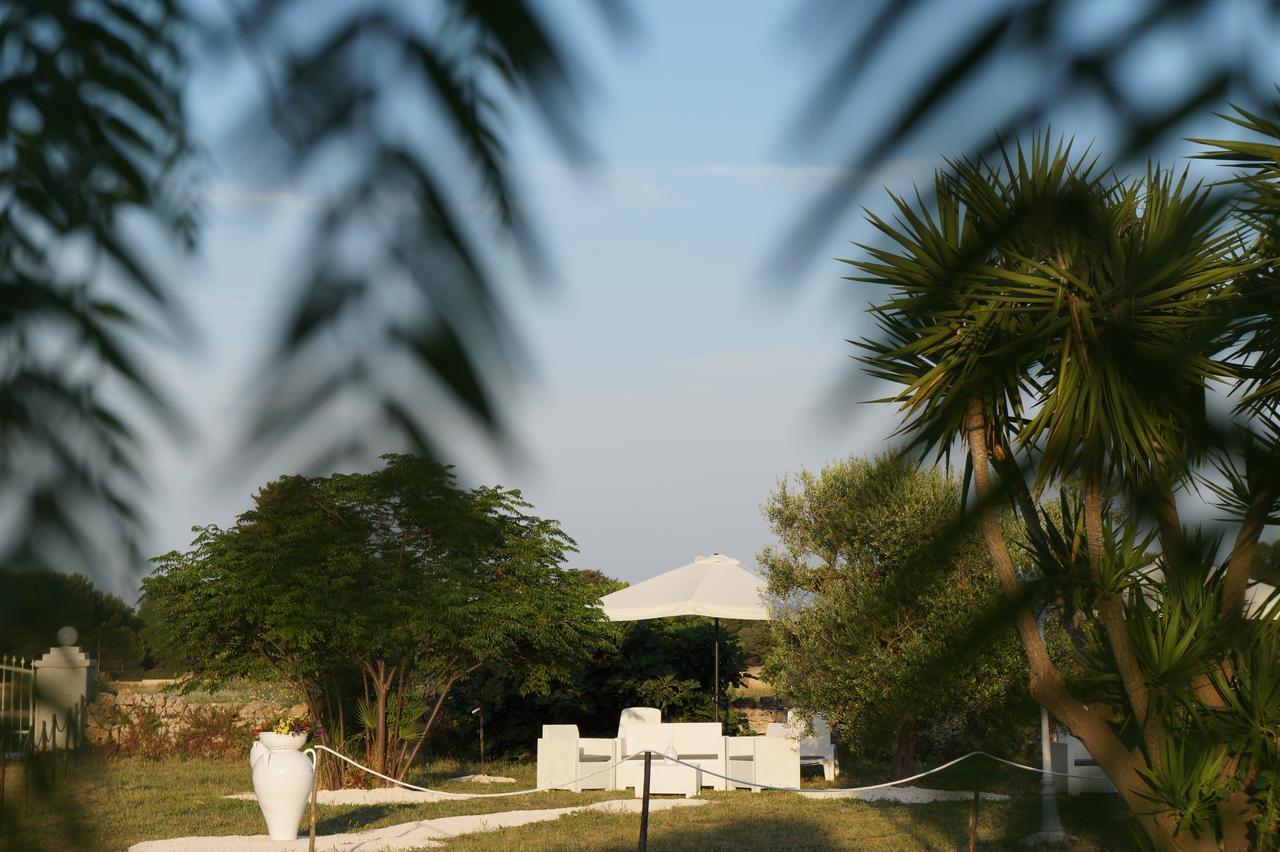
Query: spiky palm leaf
[{"x": 93, "y": 132}]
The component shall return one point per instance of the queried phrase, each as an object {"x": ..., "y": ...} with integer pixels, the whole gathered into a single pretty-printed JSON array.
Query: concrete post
[{"x": 63, "y": 687}]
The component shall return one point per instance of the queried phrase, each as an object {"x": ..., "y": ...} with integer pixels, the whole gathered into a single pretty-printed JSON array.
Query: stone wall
[
  {"x": 115, "y": 718},
  {"x": 760, "y": 712}
]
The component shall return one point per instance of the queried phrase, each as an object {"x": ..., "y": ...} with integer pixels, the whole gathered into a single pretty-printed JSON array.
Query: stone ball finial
[{"x": 67, "y": 636}]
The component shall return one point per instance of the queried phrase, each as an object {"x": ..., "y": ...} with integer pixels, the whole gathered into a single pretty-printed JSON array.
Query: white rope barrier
[
  {"x": 868, "y": 787},
  {"x": 735, "y": 781},
  {"x": 451, "y": 795}
]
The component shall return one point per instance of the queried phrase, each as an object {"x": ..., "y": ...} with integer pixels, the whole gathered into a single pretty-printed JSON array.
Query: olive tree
[{"x": 875, "y": 581}]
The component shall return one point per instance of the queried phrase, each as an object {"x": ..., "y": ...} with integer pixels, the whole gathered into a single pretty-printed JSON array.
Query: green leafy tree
[
  {"x": 664, "y": 662},
  {"x": 375, "y": 595},
  {"x": 34, "y": 605},
  {"x": 875, "y": 581},
  {"x": 1063, "y": 324}
]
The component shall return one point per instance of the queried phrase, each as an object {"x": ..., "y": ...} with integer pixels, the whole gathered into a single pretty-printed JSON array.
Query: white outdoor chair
[
  {"x": 740, "y": 762},
  {"x": 816, "y": 749},
  {"x": 567, "y": 761},
  {"x": 777, "y": 758}
]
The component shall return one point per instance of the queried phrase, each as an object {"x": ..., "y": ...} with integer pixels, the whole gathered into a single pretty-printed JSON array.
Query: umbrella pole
[{"x": 717, "y": 680}]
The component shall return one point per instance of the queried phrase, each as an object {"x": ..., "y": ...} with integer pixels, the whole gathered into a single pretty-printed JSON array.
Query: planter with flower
[
  {"x": 282, "y": 774},
  {"x": 289, "y": 732}
]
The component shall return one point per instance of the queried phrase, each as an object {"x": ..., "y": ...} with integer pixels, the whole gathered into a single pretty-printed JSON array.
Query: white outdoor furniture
[
  {"x": 1085, "y": 775},
  {"x": 567, "y": 761},
  {"x": 699, "y": 743},
  {"x": 669, "y": 778},
  {"x": 777, "y": 762},
  {"x": 816, "y": 749},
  {"x": 740, "y": 762},
  {"x": 638, "y": 716},
  {"x": 703, "y": 745}
]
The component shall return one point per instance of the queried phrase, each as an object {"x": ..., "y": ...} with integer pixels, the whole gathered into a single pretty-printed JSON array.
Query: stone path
[{"x": 409, "y": 835}]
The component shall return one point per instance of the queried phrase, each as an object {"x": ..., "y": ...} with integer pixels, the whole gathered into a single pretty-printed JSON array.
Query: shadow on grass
[
  {"x": 357, "y": 818},
  {"x": 741, "y": 821}
]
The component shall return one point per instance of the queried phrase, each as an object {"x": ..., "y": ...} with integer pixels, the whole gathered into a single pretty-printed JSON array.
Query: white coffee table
[{"x": 669, "y": 778}]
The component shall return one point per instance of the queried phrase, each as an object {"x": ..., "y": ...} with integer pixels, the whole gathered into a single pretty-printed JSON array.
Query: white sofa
[{"x": 698, "y": 743}]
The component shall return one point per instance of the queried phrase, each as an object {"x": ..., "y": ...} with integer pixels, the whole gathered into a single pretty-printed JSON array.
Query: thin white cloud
[
  {"x": 892, "y": 171},
  {"x": 769, "y": 172},
  {"x": 639, "y": 186}
]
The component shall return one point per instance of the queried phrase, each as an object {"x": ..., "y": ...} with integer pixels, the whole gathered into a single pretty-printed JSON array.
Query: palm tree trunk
[
  {"x": 1047, "y": 685},
  {"x": 1111, "y": 613}
]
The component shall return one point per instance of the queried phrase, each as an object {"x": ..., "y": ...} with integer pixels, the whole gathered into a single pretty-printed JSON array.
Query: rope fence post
[
  {"x": 315, "y": 785},
  {"x": 644, "y": 805},
  {"x": 27, "y": 768},
  {"x": 973, "y": 821}
]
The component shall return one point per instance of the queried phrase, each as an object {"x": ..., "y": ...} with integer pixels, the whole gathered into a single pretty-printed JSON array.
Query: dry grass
[
  {"x": 115, "y": 803},
  {"x": 743, "y": 821}
]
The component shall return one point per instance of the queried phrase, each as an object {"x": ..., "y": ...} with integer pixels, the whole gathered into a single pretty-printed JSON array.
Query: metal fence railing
[{"x": 17, "y": 704}]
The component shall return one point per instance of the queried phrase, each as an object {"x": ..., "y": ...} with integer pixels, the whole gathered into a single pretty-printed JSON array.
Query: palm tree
[
  {"x": 1064, "y": 325},
  {"x": 397, "y": 278}
]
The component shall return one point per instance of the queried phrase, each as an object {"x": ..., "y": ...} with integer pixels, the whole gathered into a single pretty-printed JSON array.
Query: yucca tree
[{"x": 1064, "y": 326}]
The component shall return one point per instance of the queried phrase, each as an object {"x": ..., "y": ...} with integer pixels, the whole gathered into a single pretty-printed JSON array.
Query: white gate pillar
[{"x": 63, "y": 687}]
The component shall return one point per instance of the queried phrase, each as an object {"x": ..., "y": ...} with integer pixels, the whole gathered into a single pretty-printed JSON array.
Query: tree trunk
[
  {"x": 1240, "y": 563},
  {"x": 905, "y": 758},
  {"x": 1111, "y": 614},
  {"x": 1047, "y": 686},
  {"x": 381, "y": 683}
]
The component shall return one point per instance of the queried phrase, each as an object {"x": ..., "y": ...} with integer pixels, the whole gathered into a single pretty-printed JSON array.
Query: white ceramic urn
[{"x": 282, "y": 782}]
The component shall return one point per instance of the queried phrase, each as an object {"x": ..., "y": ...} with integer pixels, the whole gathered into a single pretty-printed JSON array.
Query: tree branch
[{"x": 1243, "y": 551}]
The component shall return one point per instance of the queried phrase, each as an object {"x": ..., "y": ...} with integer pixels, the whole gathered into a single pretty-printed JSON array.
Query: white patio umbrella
[{"x": 715, "y": 586}]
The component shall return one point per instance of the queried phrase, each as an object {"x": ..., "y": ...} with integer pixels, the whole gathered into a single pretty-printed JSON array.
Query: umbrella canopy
[{"x": 715, "y": 586}]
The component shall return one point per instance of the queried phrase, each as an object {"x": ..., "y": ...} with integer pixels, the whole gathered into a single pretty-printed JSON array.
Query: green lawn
[
  {"x": 119, "y": 802},
  {"x": 744, "y": 821}
]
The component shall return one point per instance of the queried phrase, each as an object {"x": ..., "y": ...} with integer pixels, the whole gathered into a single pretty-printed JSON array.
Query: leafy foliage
[
  {"x": 1069, "y": 328},
  {"x": 35, "y": 605},
  {"x": 874, "y": 582},
  {"x": 664, "y": 663},
  {"x": 375, "y": 594},
  {"x": 93, "y": 135},
  {"x": 948, "y": 74}
]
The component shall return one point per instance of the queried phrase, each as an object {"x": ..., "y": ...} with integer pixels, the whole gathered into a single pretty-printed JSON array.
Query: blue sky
[{"x": 674, "y": 379}]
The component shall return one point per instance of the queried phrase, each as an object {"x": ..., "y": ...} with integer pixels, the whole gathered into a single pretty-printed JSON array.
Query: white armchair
[
  {"x": 567, "y": 761},
  {"x": 777, "y": 758},
  {"x": 816, "y": 749}
]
